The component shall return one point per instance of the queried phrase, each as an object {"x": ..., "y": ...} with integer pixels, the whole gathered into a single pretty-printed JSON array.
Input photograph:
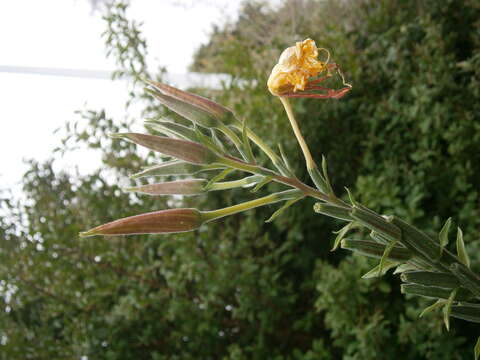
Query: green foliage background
[{"x": 406, "y": 140}]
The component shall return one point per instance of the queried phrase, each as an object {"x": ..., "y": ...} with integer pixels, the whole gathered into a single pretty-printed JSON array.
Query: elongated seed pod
[
  {"x": 429, "y": 278},
  {"x": 469, "y": 312},
  {"x": 435, "y": 292},
  {"x": 373, "y": 249}
]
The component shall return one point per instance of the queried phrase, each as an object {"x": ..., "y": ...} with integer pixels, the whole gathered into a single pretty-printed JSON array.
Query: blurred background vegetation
[{"x": 406, "y": 140}]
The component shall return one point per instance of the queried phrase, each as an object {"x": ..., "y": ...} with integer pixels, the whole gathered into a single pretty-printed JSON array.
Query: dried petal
[{"x": 296, "y": 65}]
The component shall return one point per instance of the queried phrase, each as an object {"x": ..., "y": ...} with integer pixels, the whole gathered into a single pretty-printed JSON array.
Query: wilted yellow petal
[{"x": 296, "y": 65}]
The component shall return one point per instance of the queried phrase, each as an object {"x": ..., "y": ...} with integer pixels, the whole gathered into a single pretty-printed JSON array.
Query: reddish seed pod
[{"x": 157, "y": 222}]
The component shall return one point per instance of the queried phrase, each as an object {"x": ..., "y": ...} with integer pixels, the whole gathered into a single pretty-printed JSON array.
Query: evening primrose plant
[{"x": 218, "y": 142}]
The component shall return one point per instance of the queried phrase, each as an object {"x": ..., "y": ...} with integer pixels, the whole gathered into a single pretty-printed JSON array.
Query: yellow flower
[{"x": 296, "y": 68}]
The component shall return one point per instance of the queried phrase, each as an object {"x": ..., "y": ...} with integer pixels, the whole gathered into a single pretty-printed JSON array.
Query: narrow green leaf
[
  {"x": 434, "y": 306},
  {"x": 405, "y": 267},
  {"x": 325, "y": 174},
  {"x": 216, "y": 140},
  {"x": 476, "y": 349},
  {"x": 448, "y": 308},
  {"x": 443, "y": 235},
  {"x": 375, "y": 271},
  {"x": 286, "y": 162},
  {"x": 246, "y": 143},
  {"x": 222, "y": 175},
  {"x": 318, "y": 179},
  {"x": 206, "y": 141},
  {"x": 384, "y": 257},
  {"x": 261, "y": 184},
  {"x": 341, "y": 234},
  {"x": 170, "y": 129},
  {"x": 282, "y": 209},
  {"x": 350, "y": 196},
  {"x": 461, "y": 252}
]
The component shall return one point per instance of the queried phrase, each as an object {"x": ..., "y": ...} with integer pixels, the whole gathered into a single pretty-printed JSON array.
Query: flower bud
[
  {"x": 186, "y": 110},
  {"x": 181, "y": 149},
  {"x": 157, "y": 222},
  {"x": 179, "y": 187},
  {"x": 217, "y": 111}
]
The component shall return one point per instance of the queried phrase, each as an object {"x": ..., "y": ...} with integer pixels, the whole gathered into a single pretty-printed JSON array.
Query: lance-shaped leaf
[
  {"x": 405, "y": 267},
  {"x": 385, "y": 256},
  {"x": 171, "y": 129},
  {"x": 174, "y": 167},
  {"x": 214, "y": 109},
  {"x": 448, "y": 308},
  {"x": 157, "y": 222},
  {"x": 325, "y": 174},
  {"x": 435, "y": 305},
  {"x": 461, "y": 252},
  {"x": 341, "y": 234},
  {"x": 377, "y": 272},
  {"x": 179, "y": 187},
  {"x": 283, "y": 208},
  {"x": 476, "y": 349},
  {"x": 443, "y": 235},
  {"x": 181, "y": 149}
]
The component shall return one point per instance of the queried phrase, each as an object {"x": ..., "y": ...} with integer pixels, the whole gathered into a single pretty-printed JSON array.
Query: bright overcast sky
[{"x": 65, "y": 34}]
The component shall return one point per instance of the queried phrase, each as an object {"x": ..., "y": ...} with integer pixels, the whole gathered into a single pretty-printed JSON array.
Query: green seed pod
[
  {"x": 375, "y": 222},
  {"x": 337, "y": 212},
  {"x": 469, "y": 312},
  {"x": 428, "y": 278},
  {"x": 468, "y": 278},
  {"x": 417, "y": 240},
  {"x": 435, "y": 292},
  {"x": 373, "y": 249},
  {"x": 379, "y": 238}
]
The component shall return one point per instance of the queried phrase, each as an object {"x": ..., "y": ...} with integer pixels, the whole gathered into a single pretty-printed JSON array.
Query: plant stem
[
  {"x": 293, "y": 182},
  {"x": 298, "y": 134},
  {"x": 234, "y": 138},
  {"x": 208, "y": 216},
  {"x": 277, "y": 162},
  {"x": 236, "y": 183}
]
